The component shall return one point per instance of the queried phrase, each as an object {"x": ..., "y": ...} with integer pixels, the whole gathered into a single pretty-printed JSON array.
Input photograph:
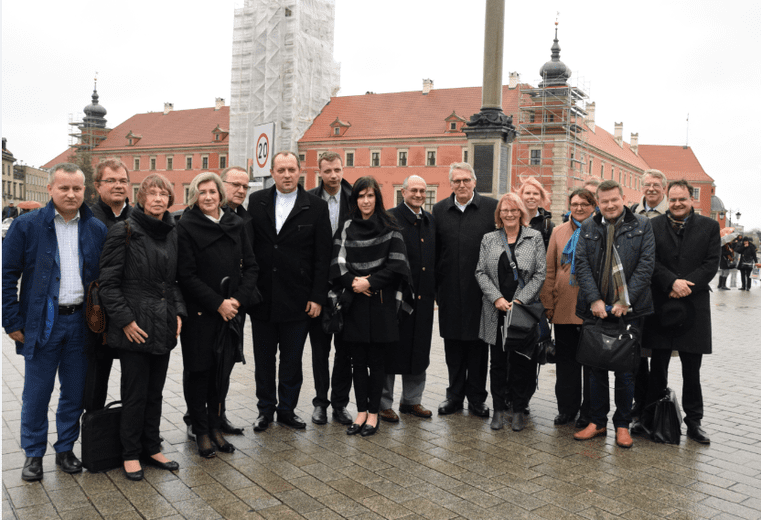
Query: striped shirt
[{"x": 72, "y": 292}]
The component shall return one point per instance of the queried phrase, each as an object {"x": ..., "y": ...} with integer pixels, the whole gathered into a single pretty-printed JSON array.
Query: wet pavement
[{"x": 445, "y": 467}]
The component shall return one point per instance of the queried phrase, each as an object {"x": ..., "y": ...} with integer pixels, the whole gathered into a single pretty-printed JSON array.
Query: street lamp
[{"x": 737, "y": 216}]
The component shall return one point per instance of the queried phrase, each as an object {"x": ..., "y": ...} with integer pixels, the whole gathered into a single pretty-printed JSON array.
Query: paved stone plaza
[{"x": 445, "y": 467}]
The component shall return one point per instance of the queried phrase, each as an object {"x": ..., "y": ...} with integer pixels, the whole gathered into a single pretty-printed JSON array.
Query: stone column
[{"x": 490, "y": 131}]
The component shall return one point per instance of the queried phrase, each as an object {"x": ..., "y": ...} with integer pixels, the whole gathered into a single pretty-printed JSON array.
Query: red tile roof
[
  {"x": 604, "y": 141},
  {"x": 676, "y": 162},
  {"x": 402, "y": 115},
  {"x": 177, "y": 128},
  {"x": 60, "y": 158}
]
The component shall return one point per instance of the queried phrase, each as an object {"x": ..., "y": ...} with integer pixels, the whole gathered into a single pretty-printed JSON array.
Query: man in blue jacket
[{"x": 56, "y": 253}]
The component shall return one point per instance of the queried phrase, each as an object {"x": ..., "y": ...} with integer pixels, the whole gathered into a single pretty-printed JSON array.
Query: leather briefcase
[{"x": 101, "y": 443}]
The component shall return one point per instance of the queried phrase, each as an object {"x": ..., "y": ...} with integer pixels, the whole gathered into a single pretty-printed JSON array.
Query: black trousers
[
  {"x": 96, "y": 381},
  {"x": 467, "y": 364},
  {"x": 745, "y": 277},
  {"x": 692, "y": 392},
  {"x": 279, "y": 393},
  {"x": 572, "y": 382},
  {"x": 368, "y": 373},
  {"x": 640, "y": 386},
  {"x": 511, "y": 374},
  {"x": 341, "y": 379},
  {"x": 142, "y": 386},
  {"x": 203, "y": 400}
]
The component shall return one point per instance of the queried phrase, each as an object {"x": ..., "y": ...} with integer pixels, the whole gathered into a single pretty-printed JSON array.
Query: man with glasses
[
  {"x": 687, "y": 250},
  {"x": 462, "y": 219},
  {"x": 652, "y": 204},
  {"x": 112, "y": 184}
]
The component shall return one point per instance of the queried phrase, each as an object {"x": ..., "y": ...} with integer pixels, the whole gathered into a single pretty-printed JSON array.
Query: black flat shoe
[
  {"x": 449, "y": 407},
  {"x": 320, "y": 415},
  {"x": 219, "y": 441},
  {"x": 292, "y": 420},
  {"x": 32, "y": 471},
  {"x": 479, "y": 409},
  {"x": 68, "y": 461},
  {"x": 698, "y": 434},
  {"x": 205, "y": 448},
  {"x": 563, "y": 418},
  {"x": 368, "y": 430},
  {"x": 354, "y": 429},
  {"x": 134, "y": 475},
  {"x": 168, "y": 466}
]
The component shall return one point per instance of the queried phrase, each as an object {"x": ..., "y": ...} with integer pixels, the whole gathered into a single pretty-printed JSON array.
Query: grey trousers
[
  {"x": 412, "y": 390},
  {"x": 733, "y": 278}
]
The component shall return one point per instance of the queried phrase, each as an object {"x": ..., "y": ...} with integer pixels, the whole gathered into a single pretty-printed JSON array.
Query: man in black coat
[
  {"x": 336, "y": 192},
  {"x": 111, "y": 181},
  {"x": 687, "y": 250},
  {"x": 291, "y": 230},
  {"x": 462, "y": 219},
  {"x": 10, "y": 211},
  {"x": 412, "y": 353}
]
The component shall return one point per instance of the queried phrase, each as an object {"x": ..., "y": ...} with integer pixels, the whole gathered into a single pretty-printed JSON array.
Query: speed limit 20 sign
[{"x": 264, "y": 137}]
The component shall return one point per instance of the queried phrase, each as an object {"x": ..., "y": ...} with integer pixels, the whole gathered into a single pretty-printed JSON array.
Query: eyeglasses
[
  {"x": 457, "y": 182},
  {"x": 579, "y": 205},
  {"x": 681, "y": 199},
  {"x": 653, "y": 185},
  {"x": 237, "y": 185},
  {"x": 509, "y": 211},
  {"x": 110, "y": 182}
]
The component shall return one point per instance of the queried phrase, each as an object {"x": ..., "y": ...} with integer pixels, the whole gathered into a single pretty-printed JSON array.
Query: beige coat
[{"x": 558, "y": 296}]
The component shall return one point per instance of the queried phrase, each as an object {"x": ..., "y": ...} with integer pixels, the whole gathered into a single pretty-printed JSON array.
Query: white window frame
[
  {"x": 222, "y": 157},
  {"x": 435, "y": 156},
  {"x": 399, "y": 157},
  {"x": 186, "y": 162},
  {"x": 152, "y": 163},
  {"x": 346, "y": 158},
  {"x": 136, "y": 164},
  {"x": 371, "y": 158},
  {"x": 170, "y": 163},
  {"x": 205, "y": 158},
  {"x": 696, "y": 193}
]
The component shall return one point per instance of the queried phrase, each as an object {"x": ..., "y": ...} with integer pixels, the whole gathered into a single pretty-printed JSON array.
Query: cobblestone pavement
[{"x": 440, "y": 468}]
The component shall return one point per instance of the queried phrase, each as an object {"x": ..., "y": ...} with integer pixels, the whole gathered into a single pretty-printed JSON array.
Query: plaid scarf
[
  {"x": 613, "y": 269},
  {"x": 569, "y": 251},
  {"x": 366, "y": 247},
  {"x": 678, "y": 225}
]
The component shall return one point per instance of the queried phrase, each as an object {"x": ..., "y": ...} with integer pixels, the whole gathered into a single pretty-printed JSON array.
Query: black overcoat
[
  {"x": 208, "y": 253},
  {"x": 458, "y": 243},
  {"x": 294, "y": 263},
  {"x": 138, "y": 282},
  {"x": 412, "y": 353},
  {"x": 695, "y": 259}
]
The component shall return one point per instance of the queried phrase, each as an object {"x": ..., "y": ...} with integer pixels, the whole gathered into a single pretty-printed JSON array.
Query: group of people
[
  {"x": 737, "y": 255},
  {"x": 335, "y": 265}
]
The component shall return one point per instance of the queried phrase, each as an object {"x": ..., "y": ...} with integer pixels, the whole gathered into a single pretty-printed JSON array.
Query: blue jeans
[
  {"x": 600, "y": 398},
  {"x": 63, "y": 353}
]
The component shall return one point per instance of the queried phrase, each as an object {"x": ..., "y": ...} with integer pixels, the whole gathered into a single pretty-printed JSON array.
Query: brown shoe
[
  {"x": 388, "y": 415},
  {"x": 590, "y": 432},
  {"x": 623, "y": 439},
  {"x": 415, "y": 409}
]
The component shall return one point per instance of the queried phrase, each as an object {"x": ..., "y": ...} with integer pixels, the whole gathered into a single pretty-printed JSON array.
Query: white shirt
[
  {"x": 419, "y": 212},
  {"x": 284, "y": 203},
  {"x": 71, "y": 292},
  {"x": 334, "y": 207},
  {"x": 462, "y": 207}
]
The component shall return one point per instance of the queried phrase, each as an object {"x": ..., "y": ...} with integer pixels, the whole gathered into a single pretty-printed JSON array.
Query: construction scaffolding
[
  {"x": 552, "y": 139},
  {"x": 282, "y": 71}
]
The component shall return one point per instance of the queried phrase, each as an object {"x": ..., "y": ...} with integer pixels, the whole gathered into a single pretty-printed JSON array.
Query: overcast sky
[{"x": 647, "y": 64}]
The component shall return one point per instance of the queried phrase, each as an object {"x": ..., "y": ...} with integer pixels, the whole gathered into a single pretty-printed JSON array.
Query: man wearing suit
[
  {"x": 687, "y": 251},
  {"x": 336, "y": 192},
  {"x": 291, "y": 230},
  {"x": 411, "y": 355},
  {"x": 462, "y": 220},
  {"x": 56, "y": 253}
]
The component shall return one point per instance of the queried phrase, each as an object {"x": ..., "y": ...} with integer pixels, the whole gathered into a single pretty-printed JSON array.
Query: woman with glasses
[
  {"x": 559, "y": 298},
  {"x": 138, "y": 286},
  {"x": 510, "y": 271}
]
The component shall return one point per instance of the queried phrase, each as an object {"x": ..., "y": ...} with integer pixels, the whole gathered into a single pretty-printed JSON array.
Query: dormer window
[
  {"x": 339, "y": 127},
  {"x": 220, "y": 134},
  {"x": 132, "y": 138},
  {"x": 454, "y": 122}
]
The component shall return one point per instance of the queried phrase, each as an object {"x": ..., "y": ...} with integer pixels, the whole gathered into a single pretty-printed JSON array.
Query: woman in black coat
[
  {"x": 138, "y": 287},
  {"x": 370, "y": 271},
  {"x": 748, "y": 259},
  {"x": 213, "y": 245}
]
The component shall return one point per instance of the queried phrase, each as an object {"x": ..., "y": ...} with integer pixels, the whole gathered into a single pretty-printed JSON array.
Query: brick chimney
[
  {"x": 618, "y": 134},
  {"x": 634, "y": 143},
  {"x": 168, "y": 107},
  {"x": 590, "y": 120},
  {"x": 427, "y": 86},
  {"x": 515, "y": 78},
  {"x": 219, "y": 103}
]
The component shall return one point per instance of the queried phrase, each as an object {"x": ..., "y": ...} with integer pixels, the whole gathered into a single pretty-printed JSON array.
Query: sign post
[{"x": 262, "y": 153}]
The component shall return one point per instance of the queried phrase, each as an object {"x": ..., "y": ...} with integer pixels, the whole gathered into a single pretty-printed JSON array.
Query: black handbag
[
  {"x": 609, "y": 345},
  {"x": 667, "y": 420},
  {"x": 101, "y": 442}
]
